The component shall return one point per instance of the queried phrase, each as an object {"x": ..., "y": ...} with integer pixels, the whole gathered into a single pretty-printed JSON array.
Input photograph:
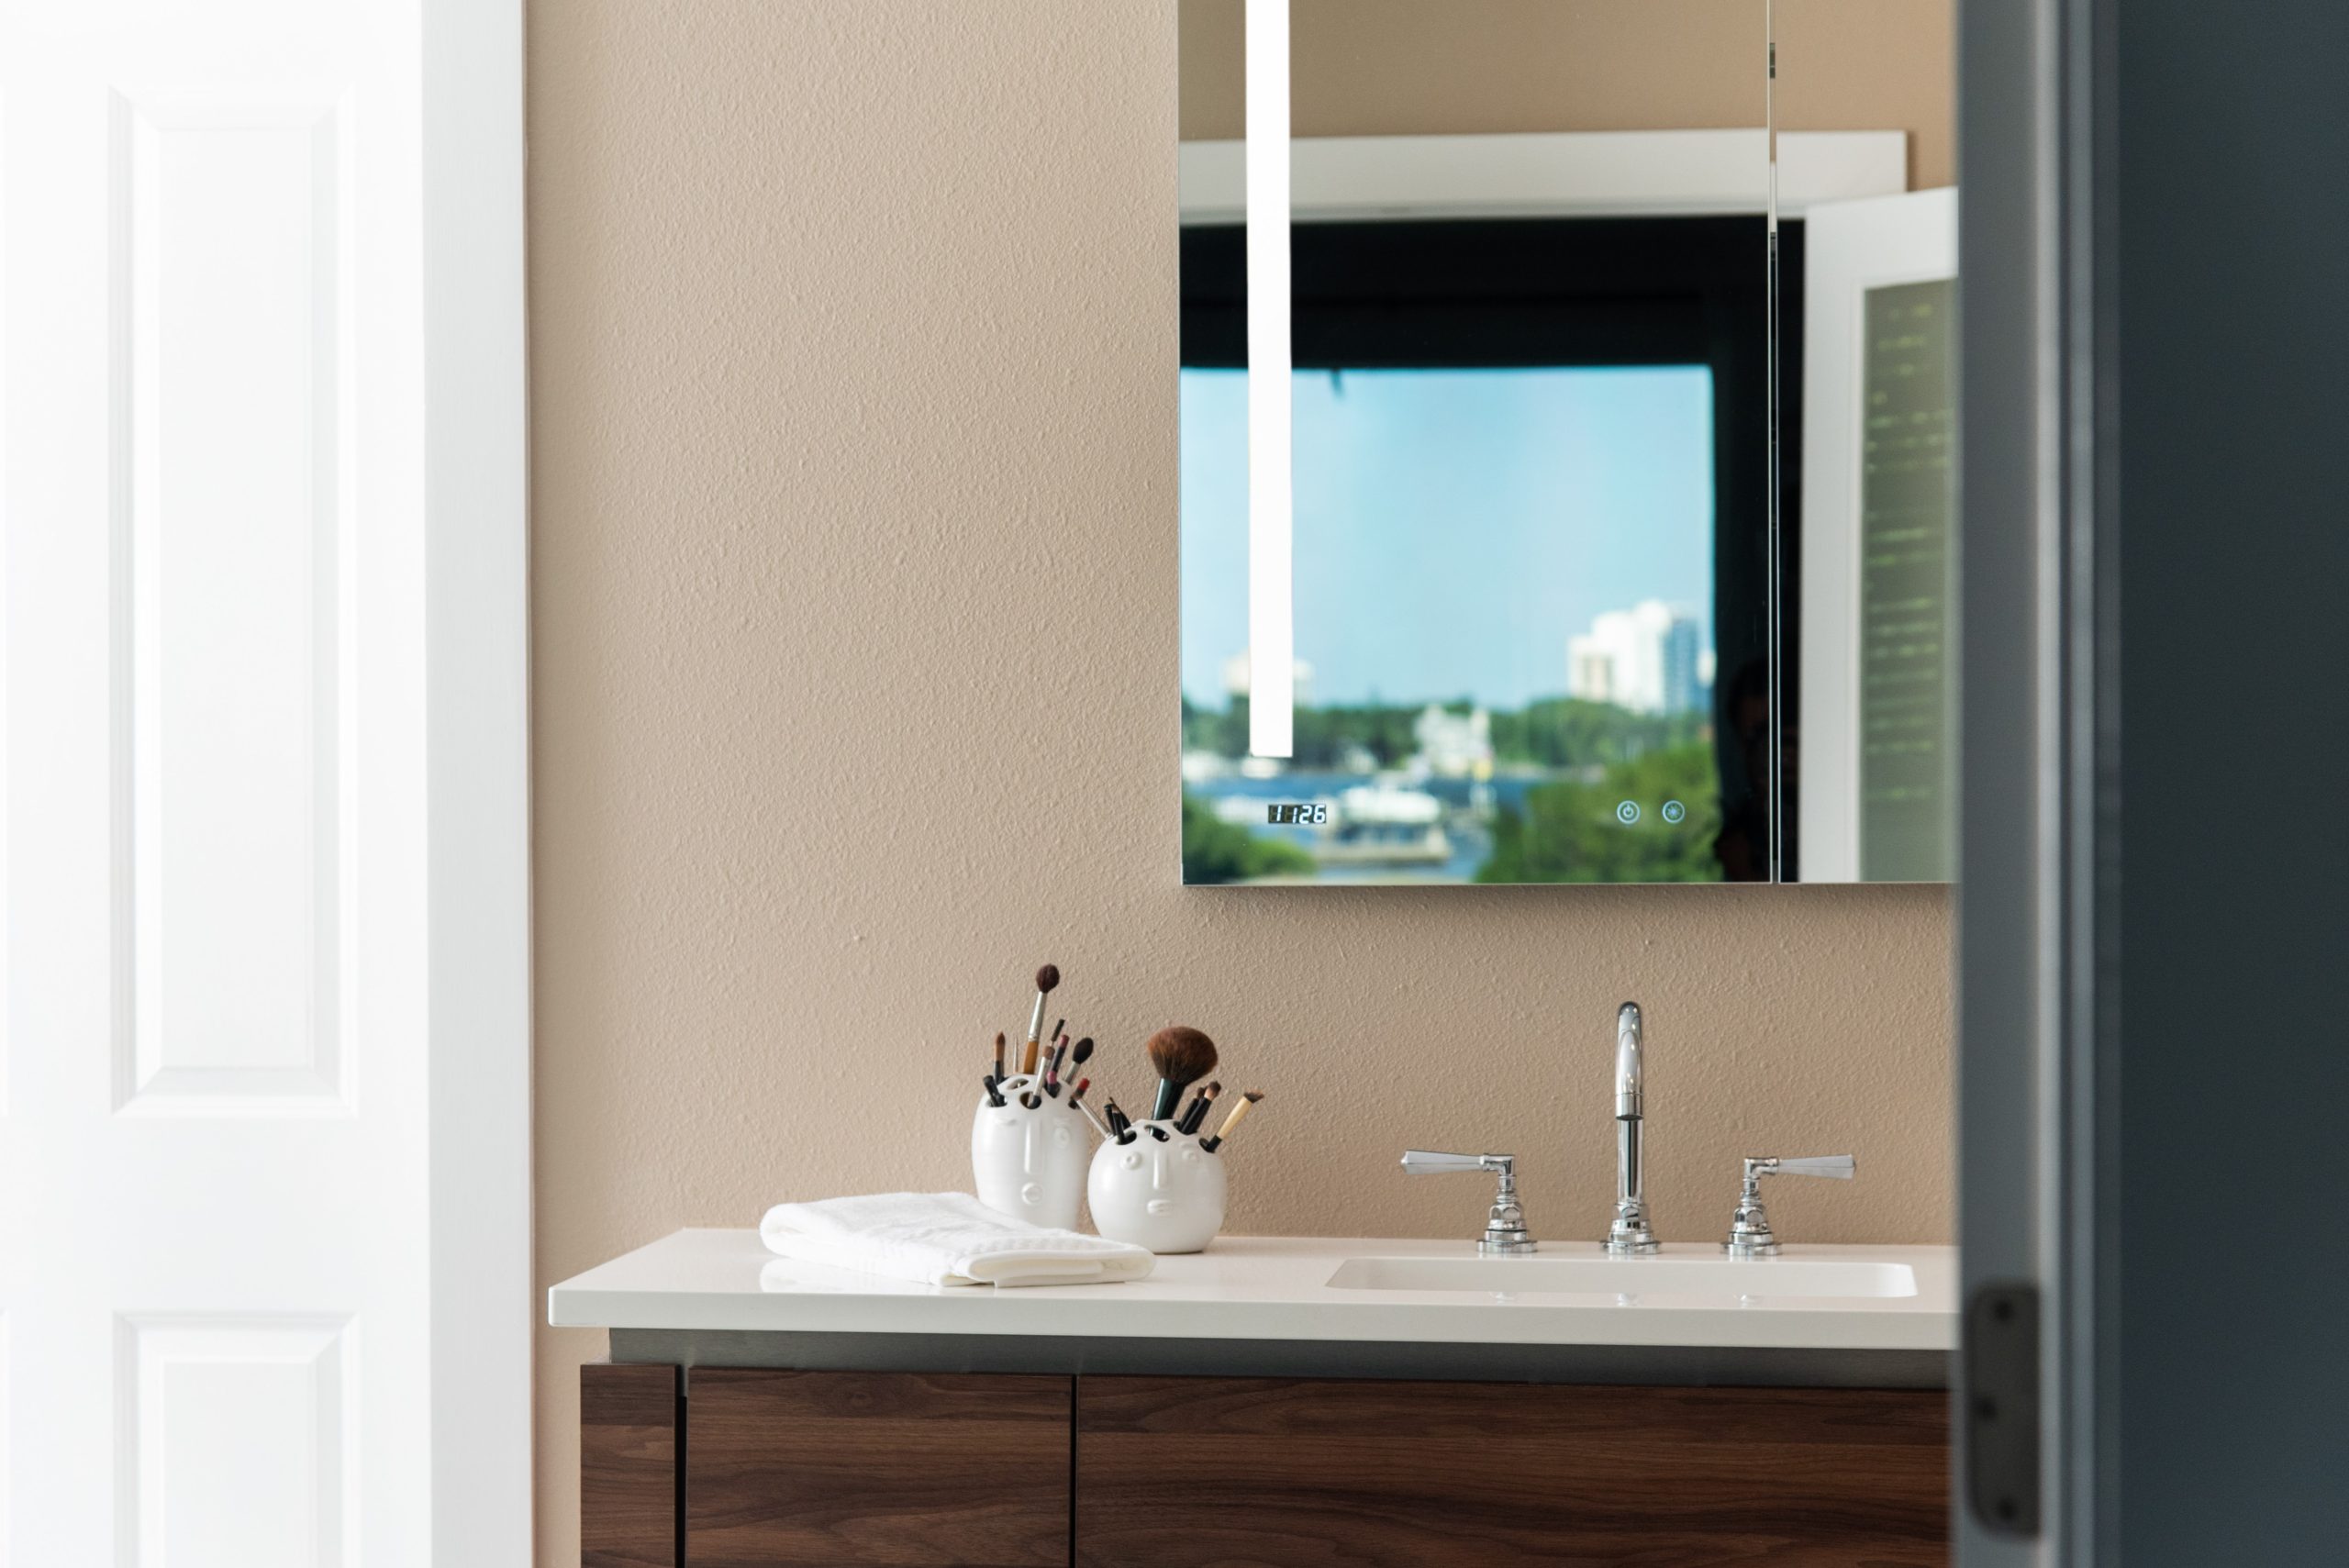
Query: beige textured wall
[
  {"x": 1463, "y": 67},
  {"x": 853, "y": 334}
]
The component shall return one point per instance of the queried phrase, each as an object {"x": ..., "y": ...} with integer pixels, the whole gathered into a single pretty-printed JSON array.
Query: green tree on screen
[
  {"x": 1214, "y": 851},
  {"x": 1569, "y": 831}
]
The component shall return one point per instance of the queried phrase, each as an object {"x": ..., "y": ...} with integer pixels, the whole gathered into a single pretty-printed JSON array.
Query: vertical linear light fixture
[{"x": 1272, "y": 635}]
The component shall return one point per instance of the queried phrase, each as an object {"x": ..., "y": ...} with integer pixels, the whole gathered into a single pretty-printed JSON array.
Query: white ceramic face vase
[
  {"x": 1164, "y": 1195},
  {"x": 1029, "y": 1164}
]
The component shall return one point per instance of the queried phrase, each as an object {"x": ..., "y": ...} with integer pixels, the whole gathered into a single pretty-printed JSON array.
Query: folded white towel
[{"x": 944, "y": 1239}]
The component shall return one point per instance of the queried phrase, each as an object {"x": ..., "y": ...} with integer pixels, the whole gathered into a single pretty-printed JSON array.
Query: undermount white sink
[{"x": 1810, "y": 1278}]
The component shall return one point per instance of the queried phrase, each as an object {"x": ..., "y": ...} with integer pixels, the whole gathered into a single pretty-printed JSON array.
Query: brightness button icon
[{"x": 1674, "y": 811}]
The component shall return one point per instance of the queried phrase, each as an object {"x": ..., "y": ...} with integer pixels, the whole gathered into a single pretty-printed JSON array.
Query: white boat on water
[
  {"x": 1387, "y": 804},
  {"x": 1206, "y": 767},
  {"x": 1384, "y": 824}
]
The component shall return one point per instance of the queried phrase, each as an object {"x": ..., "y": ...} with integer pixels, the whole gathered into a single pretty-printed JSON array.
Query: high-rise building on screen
[{"x": 1649, "y": 659}]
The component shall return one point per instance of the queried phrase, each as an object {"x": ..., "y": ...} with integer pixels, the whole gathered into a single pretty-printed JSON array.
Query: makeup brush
[
  {"x": 1181, "y": 1057},
  {"x": 1122, "y": 1126},
  {"x": 998, "y": 1060},
  {"x": 1083, "y": 1053},
  {"x": 993, "y": 1098},
  {"x": 1246, "y": 1100},
  {"x": 1052, "y": 1069},
  {"x": 1046, "y": 978},
  {"x": 1197, "y": 1111},
  {"x": 1076, "y": 1103}
]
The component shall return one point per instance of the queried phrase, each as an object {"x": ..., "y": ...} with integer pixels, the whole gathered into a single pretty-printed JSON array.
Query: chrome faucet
[
  {"x": 1630, "y": 1235},
  {"x": 1750, "y": 1234},
  {"x": 1505, "y": 1234}
]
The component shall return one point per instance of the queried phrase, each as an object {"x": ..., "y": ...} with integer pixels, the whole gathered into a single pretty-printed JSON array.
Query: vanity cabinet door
[
  {"x": 628, "y": 1465},
  {"x": 1231, "y": 1472},
  {"x": 797, "y": 1469}
]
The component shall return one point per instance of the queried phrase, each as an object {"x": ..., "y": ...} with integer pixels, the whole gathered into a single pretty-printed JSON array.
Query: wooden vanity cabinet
[
  {"x": 819, "y": 1469},
  {"x": 631, "y": 1427},
  {"x": 781, "y": 1469},
  {"x": 1221, "y": 1472}
]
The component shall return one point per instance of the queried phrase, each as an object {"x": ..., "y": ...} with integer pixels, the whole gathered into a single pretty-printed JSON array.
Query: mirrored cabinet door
[
  {"x": 1868, "y": 334},
  {"x": 1484, "y": 573}
]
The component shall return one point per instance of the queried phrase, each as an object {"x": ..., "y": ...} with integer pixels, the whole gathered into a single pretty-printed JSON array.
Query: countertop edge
[{"x": 734, "y": 1303}]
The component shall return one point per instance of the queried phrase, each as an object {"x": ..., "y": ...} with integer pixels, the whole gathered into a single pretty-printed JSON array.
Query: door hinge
[{"x": 2001, "y": 1390}]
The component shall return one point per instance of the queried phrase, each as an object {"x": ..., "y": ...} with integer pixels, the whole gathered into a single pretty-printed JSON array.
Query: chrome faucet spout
[
  {"x": 1630, "y": 1078},
  {"x": 1630, "y": 1234}
]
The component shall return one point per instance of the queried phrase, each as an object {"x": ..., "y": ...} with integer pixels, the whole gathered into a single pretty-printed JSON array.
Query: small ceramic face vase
[
  {"x": 1029, "y": 1164},
  {"x": 1165, "y": 1194}
]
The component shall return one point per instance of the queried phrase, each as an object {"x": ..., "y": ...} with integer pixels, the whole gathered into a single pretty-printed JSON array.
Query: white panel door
[{"x": 216, "y": 1151}]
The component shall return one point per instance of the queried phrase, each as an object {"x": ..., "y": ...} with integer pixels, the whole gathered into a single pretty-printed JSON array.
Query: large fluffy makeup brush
[
  {"x": 1180, "y": 1057},
  {"x": 1046, "y": 978}
]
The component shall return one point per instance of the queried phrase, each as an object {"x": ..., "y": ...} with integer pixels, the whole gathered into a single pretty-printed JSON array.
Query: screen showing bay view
[{"x": 1503, "y": 612}]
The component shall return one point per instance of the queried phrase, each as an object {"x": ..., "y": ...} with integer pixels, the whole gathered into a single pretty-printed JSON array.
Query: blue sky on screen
[{"x": 1454, "y": 527}]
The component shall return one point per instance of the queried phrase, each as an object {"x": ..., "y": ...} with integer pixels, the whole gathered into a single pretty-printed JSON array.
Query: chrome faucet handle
[
  {"x": 1750, "y": 1234},
  {"x": 1505, "y": 1225},
  {"x": 1839, "y": 1167}
]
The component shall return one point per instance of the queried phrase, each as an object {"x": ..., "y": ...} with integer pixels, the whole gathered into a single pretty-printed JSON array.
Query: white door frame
[{"x": 477, "y": 708}]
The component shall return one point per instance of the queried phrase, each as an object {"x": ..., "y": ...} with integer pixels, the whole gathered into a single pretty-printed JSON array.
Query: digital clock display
[{"x": 1297, "y": 814}]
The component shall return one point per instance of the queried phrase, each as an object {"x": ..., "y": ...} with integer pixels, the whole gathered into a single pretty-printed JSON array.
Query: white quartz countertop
[{"x": 1281, "y": 1288}]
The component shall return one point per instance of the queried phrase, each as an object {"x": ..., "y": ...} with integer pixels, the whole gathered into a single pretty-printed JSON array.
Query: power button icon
[
  {"x": 1674, "y": 811},
  {"x": 1627, "y": 813}
]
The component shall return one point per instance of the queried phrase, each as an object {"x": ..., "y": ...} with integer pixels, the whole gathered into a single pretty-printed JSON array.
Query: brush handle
[
  {"x": 1194, "y": 1114},
  {"x": 1229, "y": 1123},
  {"x": 1170, "y": 1093}
]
